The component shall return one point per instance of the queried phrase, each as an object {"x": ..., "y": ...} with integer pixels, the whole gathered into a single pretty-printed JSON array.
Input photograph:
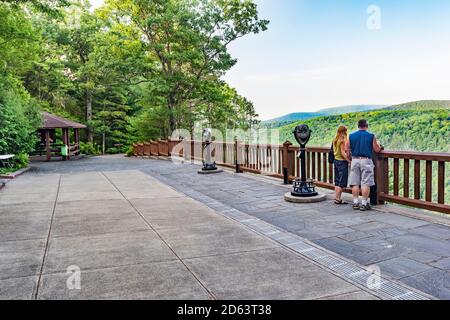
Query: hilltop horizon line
[{"x": 343, "y": 109}]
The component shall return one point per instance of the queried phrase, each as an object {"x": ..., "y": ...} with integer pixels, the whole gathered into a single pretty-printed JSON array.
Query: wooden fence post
[
  {"x": 286, "y": 161},
  {"x": 224, "y": 152},
  {"x": 169, "y": 146},
  {"x": 379, "y": 180},
  {"x": 236, "y": 156}
]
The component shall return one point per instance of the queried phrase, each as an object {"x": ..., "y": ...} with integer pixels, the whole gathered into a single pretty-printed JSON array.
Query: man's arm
[{"x": 376, "y": 146}]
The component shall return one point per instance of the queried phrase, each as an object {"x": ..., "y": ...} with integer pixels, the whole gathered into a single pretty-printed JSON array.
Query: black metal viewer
[
  {"x": 209, "y": 166},
  {"x": 302, "y": 186}
]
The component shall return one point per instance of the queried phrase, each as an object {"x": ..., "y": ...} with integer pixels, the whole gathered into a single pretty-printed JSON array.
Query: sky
[{"x": 324, "y": 53}]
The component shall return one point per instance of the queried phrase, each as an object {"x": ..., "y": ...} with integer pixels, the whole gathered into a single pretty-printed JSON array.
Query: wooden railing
[
  {"x": 74, "y": 149},
  {"x": 413, "y": 179}
]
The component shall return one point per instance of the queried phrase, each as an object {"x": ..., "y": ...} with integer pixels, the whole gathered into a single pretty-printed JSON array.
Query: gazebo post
[
  {"x": 76, "y": 138},
  {"x": 52, "y": 122},
  {"x": 64, "y": 140},
  {"x": 47, "y": 145},
  {"x": 68, "y": 144},
  {"x": 63, "y": 135}
]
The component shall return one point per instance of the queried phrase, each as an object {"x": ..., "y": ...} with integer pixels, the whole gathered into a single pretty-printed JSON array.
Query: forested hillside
[
  {"x": 293, "y": 117},
  {"x": 399, "y": 129},
  {"x": 130, "y": 70},
  {"x": 422, "y": 105}
]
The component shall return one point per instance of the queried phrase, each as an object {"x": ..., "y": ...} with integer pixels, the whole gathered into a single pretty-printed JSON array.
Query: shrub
[
  {"x": 21, "y": 160},
  {"x": 88, "y": 149},
  {"x": 113, "y": 150},
  {"x": 19, "y": 120},
  {"x": 130, "y": 151}
]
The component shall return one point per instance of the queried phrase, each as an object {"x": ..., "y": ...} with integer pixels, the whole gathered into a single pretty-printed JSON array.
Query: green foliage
[
  {"x": 21, "y": 160},
  {"x": 405, "y": 129},
  {"x": 180, "y": 49},
  {"x": 18, "y": 121},
  {"x": 130, "y": 152},
  {"x": 131, "y": 70},
  {"x": 422, "y": 105},
  {"x": 417, "y": 130},
  {"x": 89, "y": 148},
  {"x": 297, "y": 116},
  {"x": 148, "y": 125},
  {"x": 113, "y": 150},
  {"x": 19, "y": 116},
  {"x": 49, "y": 7}
]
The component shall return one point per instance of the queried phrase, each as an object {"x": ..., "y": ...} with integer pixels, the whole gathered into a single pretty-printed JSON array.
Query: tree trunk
[
  {"x": 103, "y": 142},
  {"x": 88, "y": 101},
  {"x": 172, "y": 120},
  {"x": 191, "y": 121}
]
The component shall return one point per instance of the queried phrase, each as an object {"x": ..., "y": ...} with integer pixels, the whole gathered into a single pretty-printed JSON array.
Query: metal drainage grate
[
  {"x": 333, "y": 262},
  {"x": 315, "y": 254},
  {"x": 347, "y": 270}
]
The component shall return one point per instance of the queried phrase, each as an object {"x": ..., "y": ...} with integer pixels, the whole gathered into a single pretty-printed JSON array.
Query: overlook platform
[{"x": 153, "y": 229}]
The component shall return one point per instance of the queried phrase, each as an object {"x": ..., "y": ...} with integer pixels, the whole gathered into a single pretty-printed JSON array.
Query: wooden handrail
[
  {"x": 431, "y": 156},
  {"x": 395, "y": 181}
]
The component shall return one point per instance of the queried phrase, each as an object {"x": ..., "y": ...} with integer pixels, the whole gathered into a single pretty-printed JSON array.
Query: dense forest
[
  {"x": 297, "y": 116},
  {"x": 130, "y": 70},
  {"x": 136, "y": 70},
  {"x": 417, "y": 126}
]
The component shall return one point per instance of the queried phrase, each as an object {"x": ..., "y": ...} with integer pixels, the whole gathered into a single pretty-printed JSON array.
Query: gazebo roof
[{"x": 50, "y": 121}]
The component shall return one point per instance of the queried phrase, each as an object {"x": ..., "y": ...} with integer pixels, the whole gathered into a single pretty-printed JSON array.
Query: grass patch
[
  {"x": 20, "y": 161},
  {"x": 9, "y": 170}
]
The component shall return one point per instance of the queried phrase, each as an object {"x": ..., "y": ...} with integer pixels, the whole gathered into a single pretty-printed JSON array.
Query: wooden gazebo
[{"x": 48, "y": 134}]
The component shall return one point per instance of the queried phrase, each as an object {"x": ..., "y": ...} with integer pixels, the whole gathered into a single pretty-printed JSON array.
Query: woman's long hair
[{"x": 341, "y": 132}]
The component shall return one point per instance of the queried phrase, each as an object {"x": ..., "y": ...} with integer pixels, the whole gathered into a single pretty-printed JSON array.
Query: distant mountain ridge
[
  {"x": 350, "y": 109},
  {"x": 422, "y": 105},
  {"x": 422, "y": 126},
  {"x": 297, "y": 116},
  {"x": 418, "y": 126}
]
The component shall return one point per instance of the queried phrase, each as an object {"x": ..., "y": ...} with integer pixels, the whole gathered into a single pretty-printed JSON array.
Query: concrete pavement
[{"x": 133, "y": 237}]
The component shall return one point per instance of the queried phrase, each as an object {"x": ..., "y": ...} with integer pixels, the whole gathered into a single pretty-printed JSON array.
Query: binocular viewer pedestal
[
  {"x": 304, "y": 190},
  {"x": 209, "y": 169},
  {"x": 203, "y": 171},
  {"x": 295, "y": 199},
  {"x": 209, "y": 165}
]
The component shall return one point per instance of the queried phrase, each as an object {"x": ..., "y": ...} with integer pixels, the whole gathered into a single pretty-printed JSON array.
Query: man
[{"x": 362, "y": 144}]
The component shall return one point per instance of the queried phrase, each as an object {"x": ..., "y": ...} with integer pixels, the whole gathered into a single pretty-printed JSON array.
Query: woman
[{"x": 341, "y": 163}]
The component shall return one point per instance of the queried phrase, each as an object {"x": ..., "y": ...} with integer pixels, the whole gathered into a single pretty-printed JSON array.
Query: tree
[
  {"x": 49, "y": 7},
  {"x": 221, "y": 107},
  {"x": 18, "y": 41},
  {"x": 19, "y": 118},
  {"x": 18, "y": 121},
  {"x": 131, "y": 70},
  {"x": 187, "y": 38},
  {"x": 81, "y": 29}
]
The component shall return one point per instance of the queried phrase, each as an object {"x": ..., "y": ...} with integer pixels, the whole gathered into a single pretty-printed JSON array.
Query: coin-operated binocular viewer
[
  {"x": 304, "y": 189},
  {"x": 209, "y": 166}
]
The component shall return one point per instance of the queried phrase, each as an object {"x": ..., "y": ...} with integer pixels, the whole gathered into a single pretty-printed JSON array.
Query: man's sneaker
[
  {"x": 365, "y": 208},
  {"x": 356, "y": 206}
]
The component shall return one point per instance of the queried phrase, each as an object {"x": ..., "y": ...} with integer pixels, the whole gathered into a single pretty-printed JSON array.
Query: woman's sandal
[{"x": 340, "y": 202}]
